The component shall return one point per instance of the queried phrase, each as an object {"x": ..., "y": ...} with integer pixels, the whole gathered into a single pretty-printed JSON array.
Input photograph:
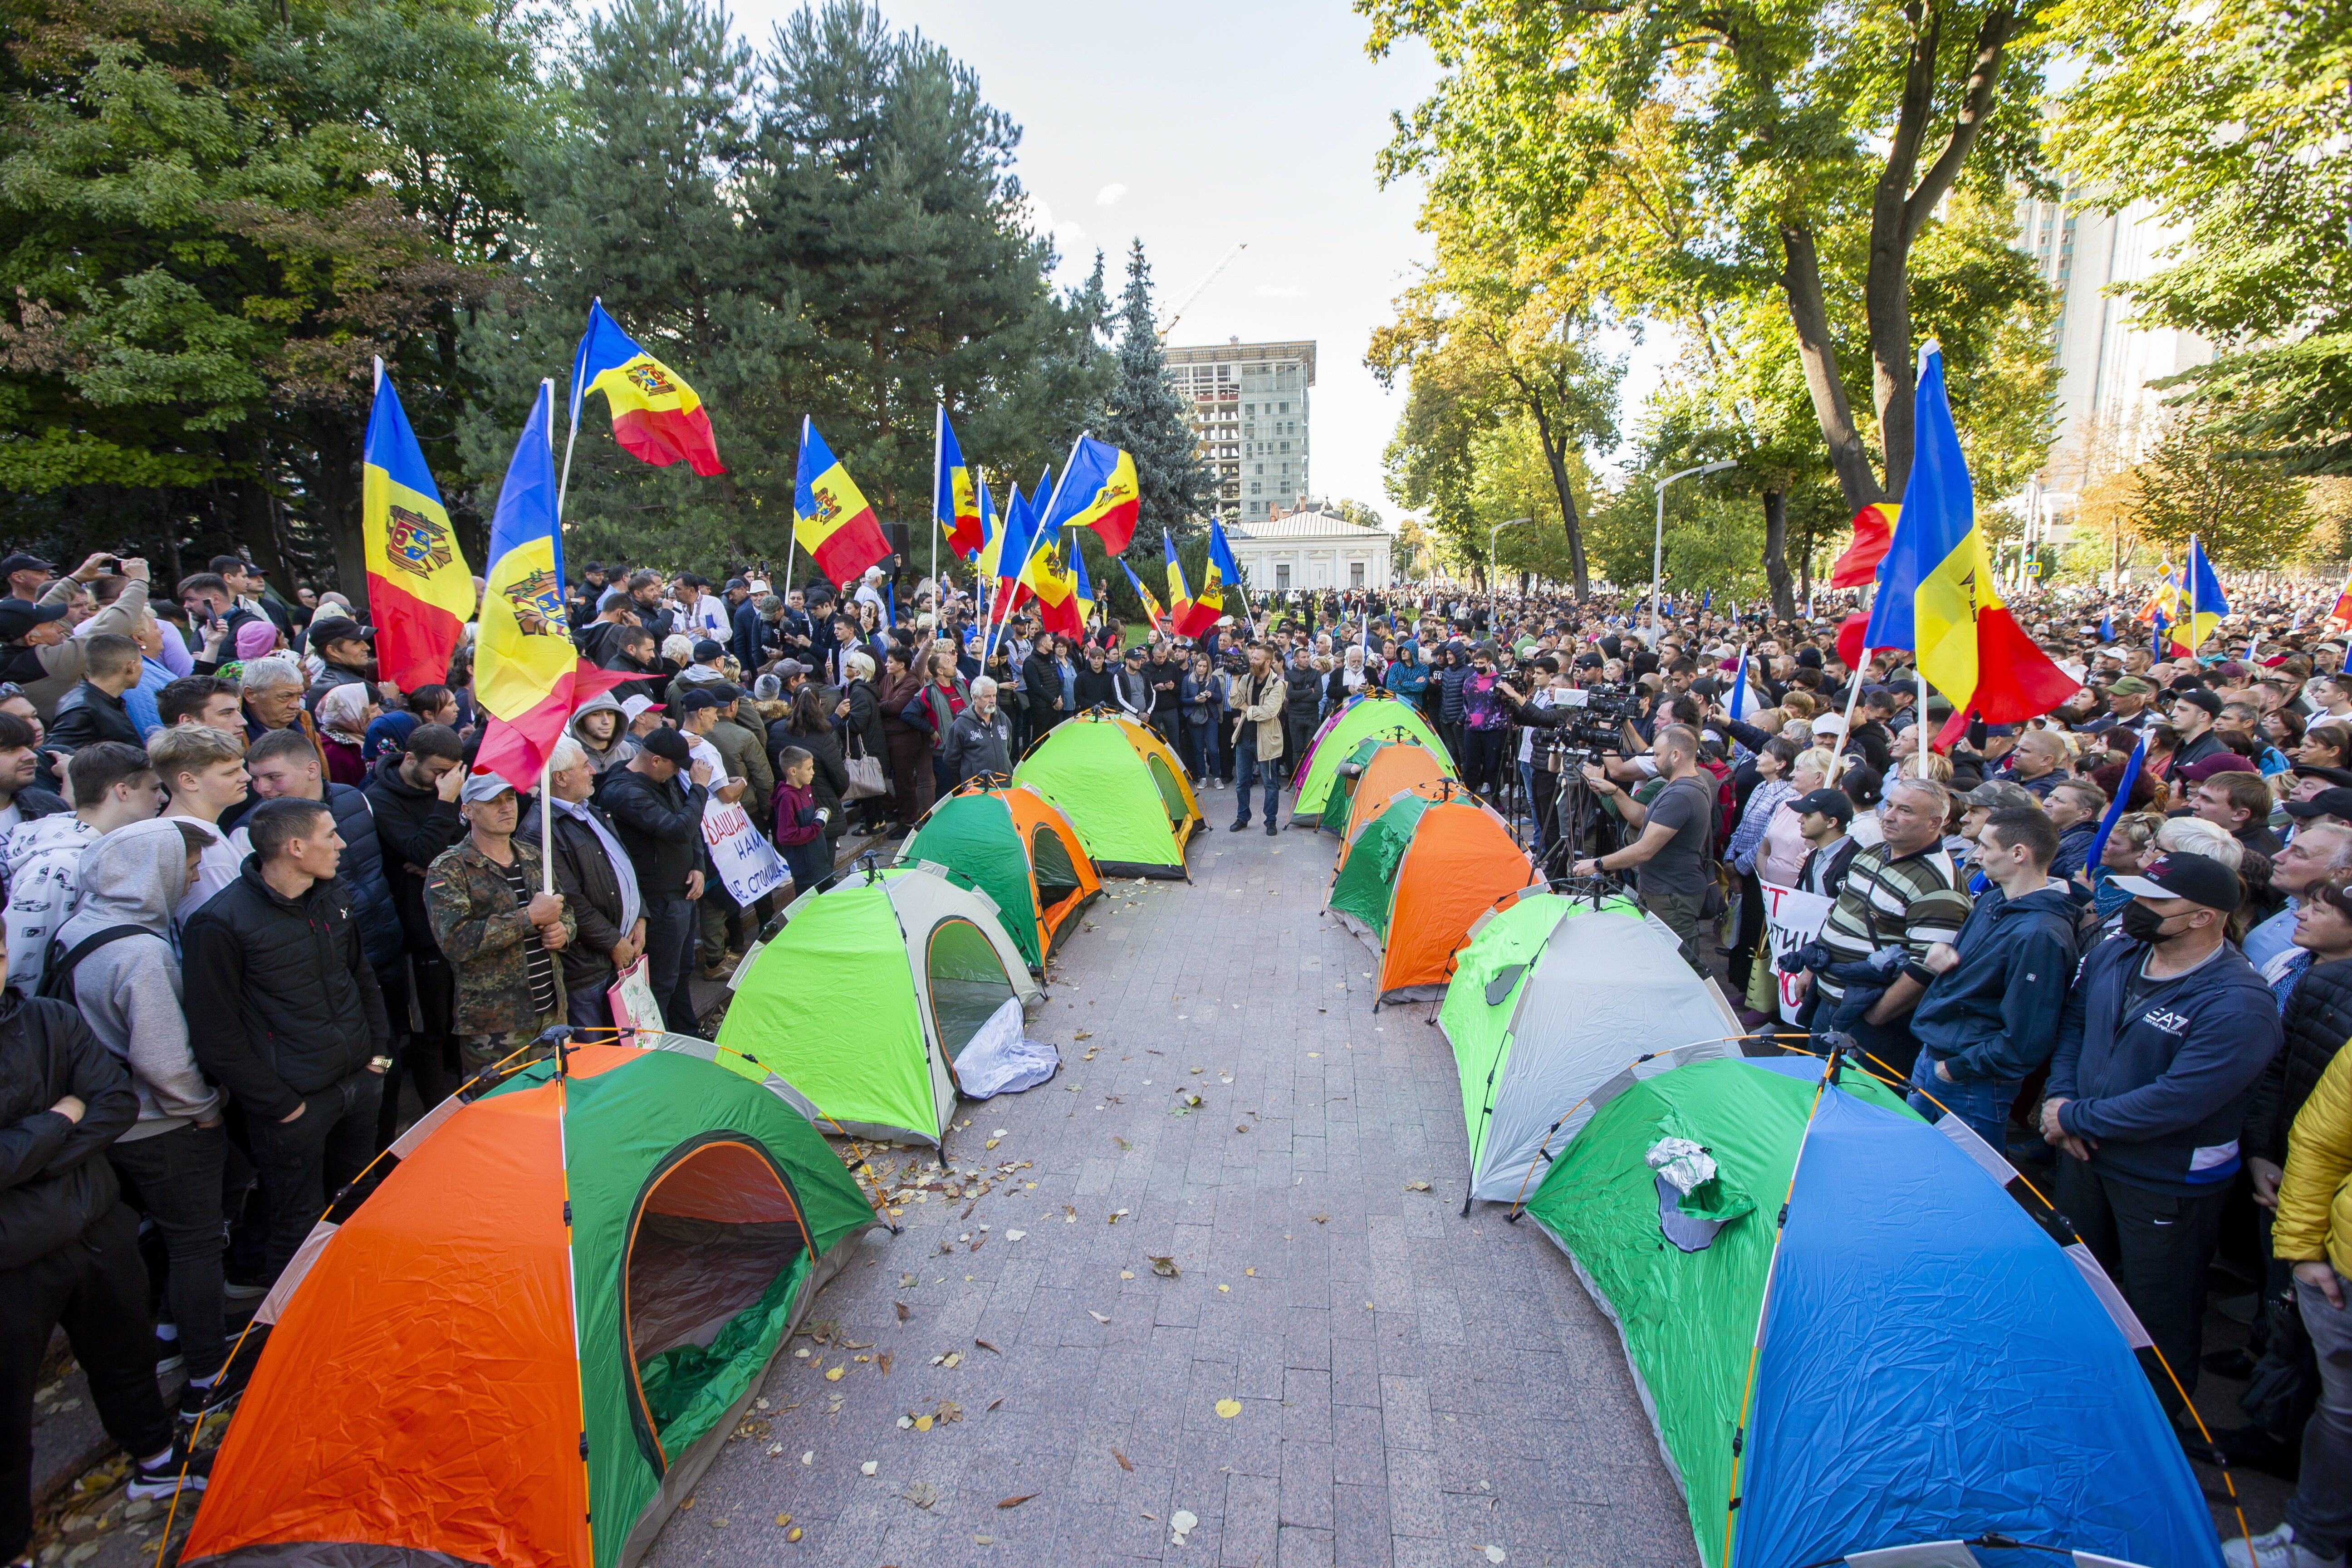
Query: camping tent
[
  {"x": 1015, "y": 844},
  {"x": 1395, "y": 766},
  {"x": 1930, "y": 1364},
  {"x": 1343, "y": 785},
  {"x": 1550, "y": 999},
  {"x": 1365, "y": 714},
  {"x": 565, "y": 1293},
  {"x": 1121, "y": 788},
  {"x": 924, "y": 963},
  {"x": 1416, "y": 879}
]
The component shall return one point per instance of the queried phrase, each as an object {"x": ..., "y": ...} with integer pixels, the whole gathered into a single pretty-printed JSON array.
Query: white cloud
[{"x": 1109, "y": 195}]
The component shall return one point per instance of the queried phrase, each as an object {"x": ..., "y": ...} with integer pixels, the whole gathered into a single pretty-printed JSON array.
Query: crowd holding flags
[{"x": 418, "y": 583}]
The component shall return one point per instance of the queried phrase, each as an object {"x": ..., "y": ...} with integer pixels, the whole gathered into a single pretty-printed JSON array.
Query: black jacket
[
  {"x": 754, "y": 636},
  {"x": 591, "y": 889},
  {"x": 1095, "y": 688},
  {"x": 977, "y": 745},
  {"x": 281, "y": 1002},
  {"x": 864, "y": 721},
  {"x": 55, "y": 1181},
  {"x": 660, "y": 825},
  {"x": 413, "y": 827},
  {"x": 361, "y": 869},
  {"x": 1041, "y": 684},
  {"x": 2317, "y": 1022},
  {"x": 95, "y": 715}
]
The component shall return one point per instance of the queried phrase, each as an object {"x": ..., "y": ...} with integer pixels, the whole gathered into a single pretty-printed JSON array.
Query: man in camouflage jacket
[{"x": 501, "y": 947}]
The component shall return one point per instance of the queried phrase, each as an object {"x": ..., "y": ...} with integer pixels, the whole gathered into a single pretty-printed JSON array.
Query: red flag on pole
[{"x": 1874, "y": 531}]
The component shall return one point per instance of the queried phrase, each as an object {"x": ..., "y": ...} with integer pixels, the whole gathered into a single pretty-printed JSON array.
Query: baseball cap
[
  {"x": 24, "y": 561},
  {"x": 725, "y": 691},
  {"x": 698, "y": 698},
  {"x": 17, "y": 617},
  {"x": 2199, "y": 697},
  {"x": 2220, "y": 763},
  {"x": 1999, "y": 794},
  {"x": 335, "y": 629},
  {"x": 2196, "y": 878},
  {"x": 734, "y": 582},
  {"x": 706, "y": 650},
  {"x": 483, "y": 785},
  {"x": 2332, "y": 775},
  {"x": 2132, "y": 685},
  {"x": 2334, "y": 801},
  {"x": 1829, "y": 725},
  {"x": 669, "y": 745},
  {"x": 637, "y": 708},
  {"x": 791, "y": 667},
  {"x": 1834, "y": 803}
]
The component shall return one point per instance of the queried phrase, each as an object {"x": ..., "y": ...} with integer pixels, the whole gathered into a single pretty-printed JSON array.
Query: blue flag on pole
[
  {"x": 2116, "y": 807},
  {"x": 2106, "y": 626},
  {"x": 1738, "y": 706}
]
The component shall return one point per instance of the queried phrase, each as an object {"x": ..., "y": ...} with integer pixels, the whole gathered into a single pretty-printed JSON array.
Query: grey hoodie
[
  {"x": 129, "y": 990},
  {"x": 603, "y": 759}
]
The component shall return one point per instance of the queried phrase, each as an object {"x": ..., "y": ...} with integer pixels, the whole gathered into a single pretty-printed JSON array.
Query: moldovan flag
[
  {"x": 830, "y": 517},
  {"x": 2340, "y": 614},
  {"x": 955, "y": 502},
  {"x": 1191, "y": 617},
  {"x": 420, "y": 591},
  {"x": 1873, "y": 531},
  {"x": 1228, "y": 569},
  {"x": 992, "y": 545},
  {"x": 527, "y": 675},
  {"x": 1151, "y": 610},
  {"x": 1084, "y": 590},
  {"x": 657, "y": 417},
  {"x": 1014, "y": 555},
  {"x": 1935, "y": 590},
  {"x": 1056, "y": 587},
  {"x": 1097, "y": 492}
]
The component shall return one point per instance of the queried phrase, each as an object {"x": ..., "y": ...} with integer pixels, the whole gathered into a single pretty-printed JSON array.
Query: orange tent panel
[
  {"x": 480, "y": 1419},
  {"x": 1460, "y": 862},
  {"x": 1394, "y": 767},
  {"x": 1033, "y": 812}
]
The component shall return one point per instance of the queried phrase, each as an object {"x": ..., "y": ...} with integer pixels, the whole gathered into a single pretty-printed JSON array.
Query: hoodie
[
  {"x": 1993, "y": 1015},
  {"x": 128, "y": 989},
  {"x": 620, "y": 749},
  {"x": 44, "y": 886}
]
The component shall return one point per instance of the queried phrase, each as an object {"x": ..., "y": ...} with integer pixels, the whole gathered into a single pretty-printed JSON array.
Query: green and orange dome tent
[{"x": 1013, "y": 843}]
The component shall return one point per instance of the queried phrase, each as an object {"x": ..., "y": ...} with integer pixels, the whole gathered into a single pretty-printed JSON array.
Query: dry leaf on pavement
[
  {"x": 1016, "y": 1502},
  {"x": 1124, "y": 1462}
]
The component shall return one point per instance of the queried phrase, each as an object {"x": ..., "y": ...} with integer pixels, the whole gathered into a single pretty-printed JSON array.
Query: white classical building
[{"x": 1312, "y": 549}]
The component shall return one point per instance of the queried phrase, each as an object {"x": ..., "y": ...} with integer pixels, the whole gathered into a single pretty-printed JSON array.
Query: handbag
[{"x": 867, "y": 779}]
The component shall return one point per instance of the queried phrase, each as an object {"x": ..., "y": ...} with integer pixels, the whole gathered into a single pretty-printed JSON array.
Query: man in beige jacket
[{"x": 1258, "y": 699}]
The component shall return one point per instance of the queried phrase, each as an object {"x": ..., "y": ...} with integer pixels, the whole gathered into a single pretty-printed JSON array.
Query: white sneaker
[{"x": 2277, "y": 1549}]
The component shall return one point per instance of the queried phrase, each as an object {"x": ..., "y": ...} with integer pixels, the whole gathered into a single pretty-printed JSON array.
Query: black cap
[
  {"x": 699, "y": 697},
  {"x": 1828, "y": 801},
  {"x": 2332, "y": 775},
  {"x": 335, "y": 629},
  {"x": 17, "y": 617},
  {"x": 2196, "y": 878},
  {"x": 667, "y": 744},
  {"x": 725, "y": 691},
  {"x": 2335, "y": 801},
  {"x": 24, "y": 561},
  {"x": 706, "y": 650},
  {"x": 2198, "y": 696},
  {"x": 735, "y": 582}
]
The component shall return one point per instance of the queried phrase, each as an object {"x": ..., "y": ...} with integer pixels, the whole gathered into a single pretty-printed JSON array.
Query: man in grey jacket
[
  {"x": 980, "y": 739},
  {"x": 125, "y": 978}
]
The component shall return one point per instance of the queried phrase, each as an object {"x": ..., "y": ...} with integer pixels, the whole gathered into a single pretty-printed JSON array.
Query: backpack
[{"x": 56, "y": 978}]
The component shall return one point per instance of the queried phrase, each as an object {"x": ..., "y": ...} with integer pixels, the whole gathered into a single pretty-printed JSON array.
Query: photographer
[
  {"x": 1672, "y": 848},
  {"x": 1543, "y": 749},
  {"x": 39, "y": 651}
]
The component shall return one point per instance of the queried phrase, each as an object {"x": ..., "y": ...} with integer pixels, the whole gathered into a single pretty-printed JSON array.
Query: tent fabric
[
  {"x": 1934, "y": 1366},
  {"x": 1550, "y": 999},
  {"x": 1360, "y": 887},
  {"x": 1016, "y": 845},
  {"x": 1420, "y": 874},
  {"x": 1122, "y": 791},
  {"x": 927, "y": 960},
  {"x": 1396, "y": 765},
  {"x": 1343, "y": 787},
  {"x": 424, "y": 1391},
  {"x": 1366, "y": 715}
]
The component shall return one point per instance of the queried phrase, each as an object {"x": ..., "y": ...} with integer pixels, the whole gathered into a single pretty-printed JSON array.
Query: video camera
[{"x": 1596, "y": 717}]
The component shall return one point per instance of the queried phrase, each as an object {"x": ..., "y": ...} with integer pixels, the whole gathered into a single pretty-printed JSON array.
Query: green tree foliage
[
  {"x": 2235, "y": 122},
  {"x": 2246, "y": 512}
]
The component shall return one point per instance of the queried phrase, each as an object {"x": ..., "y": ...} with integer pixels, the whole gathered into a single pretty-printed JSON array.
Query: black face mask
[{"x": 2141, "y": 923}]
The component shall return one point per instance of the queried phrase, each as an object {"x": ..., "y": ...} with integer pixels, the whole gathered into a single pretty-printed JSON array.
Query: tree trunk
[
  {"x": 1556, "y": 455},
  {"x": 1776, "y": 552},
  {"x": 1800, "y": 279}
]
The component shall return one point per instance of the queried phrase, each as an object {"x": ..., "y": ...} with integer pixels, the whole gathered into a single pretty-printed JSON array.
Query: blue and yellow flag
[
  {"x": 2204, "y": 601},
  {"x": 831, "y": 520},
  {"x": 955, "y": 499},
  {"x": 420, "y": 590}
]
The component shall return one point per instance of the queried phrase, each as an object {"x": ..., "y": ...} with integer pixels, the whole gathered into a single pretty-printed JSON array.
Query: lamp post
[
  {"x": 1658, "y": 540},
  {"x": 1493, "y": 534}
]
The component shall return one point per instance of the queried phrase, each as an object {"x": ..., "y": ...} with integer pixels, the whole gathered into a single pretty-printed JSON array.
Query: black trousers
[
  {"x": 96, "y": 1288},
  {"x": 2155, "y": 1246},
  {"x": 670, "y": 928},
  {"x": 304, "y": 1161},
  {"x": 174, "y": 1178}
]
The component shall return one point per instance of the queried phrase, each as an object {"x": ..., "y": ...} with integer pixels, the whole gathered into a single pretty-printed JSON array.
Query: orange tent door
[{"x": 1461, "y": 860}]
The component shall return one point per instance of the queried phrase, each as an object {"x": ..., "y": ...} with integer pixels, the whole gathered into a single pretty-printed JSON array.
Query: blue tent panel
[{"x": 1934, "y": 1368}]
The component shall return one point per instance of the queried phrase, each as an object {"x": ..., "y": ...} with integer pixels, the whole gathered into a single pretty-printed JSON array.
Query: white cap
[
  {"x": 1829, "y": 725},
  {"x": 637, "y": 708}
]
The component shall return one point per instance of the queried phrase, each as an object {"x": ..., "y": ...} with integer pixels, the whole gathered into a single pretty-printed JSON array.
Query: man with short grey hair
[
  {"x": 2317, "y": 849},
  {"x": 1901, "y": 893},
  {"x": 981, "y": 740},
  {"x": 271, "y": 690}
]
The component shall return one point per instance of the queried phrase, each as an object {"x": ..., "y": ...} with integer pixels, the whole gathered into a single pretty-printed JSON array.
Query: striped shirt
[{"x": 1873, "y": 911}]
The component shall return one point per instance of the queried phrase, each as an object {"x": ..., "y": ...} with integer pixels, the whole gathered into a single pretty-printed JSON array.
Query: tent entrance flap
[
  {"x": 716, "y": 1249},
  {"x": 1172, "y": 794},
  {"x": 966, "y": 980}
]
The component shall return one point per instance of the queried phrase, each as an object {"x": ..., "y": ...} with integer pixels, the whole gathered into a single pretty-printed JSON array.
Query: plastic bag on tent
[{"x": 1000, "y": 1061}]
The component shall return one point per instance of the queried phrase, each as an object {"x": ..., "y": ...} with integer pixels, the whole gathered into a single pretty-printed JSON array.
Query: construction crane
[{"x": 1169, "y": 325}]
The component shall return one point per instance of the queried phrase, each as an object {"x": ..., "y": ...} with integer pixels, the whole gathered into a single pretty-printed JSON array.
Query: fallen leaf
[
  {"x": 995, "y": 1402},
  {"x": 1183, "y": 1521},
  {"x": 1124, "y": 1462},
  {"x": 1014, "y": 1235},
  {"x": 907, "y": 1282},
  {"x": 1229, "y": 1409},
  {"x": 989, "y": 1348},
  {"x": 1251, "y": 1272},
  {"x": 922, "y": 1494},
  {"x": 903, "y": 1314},
  {"x": 990, "y": 1144},
  {"x": 1416, "y": 1186},
  {"x": 1016, "y": 1502},
  {"x": 1084, "y": 1034},
  {"x": 794, "y": 1533},
  {"x": 952, "y": 1359},
  {"x": 718, "y": 1524},
  {"x": 1227, "y": 1288},
  {"x": 1240, "y": 1127},
  {"x": 869, "y": 1467},
  {"x": 835, "y": 1375},
  {"x": 783, "y": 1519},
  {"x": 1114, "y": 1216},
  {"x": 809, "y": 1458},
  {"x": 1098, "y": 1316},
  {"x": 882, "y": 1363},
  {"x": 1127, "y": 1273},
  {"x": 923, "y": 1422},
  {"x": 1165, "y": 1267},
  {"x": 1495, "y": 1554},
  {"x": 1320, "y": 1218}
]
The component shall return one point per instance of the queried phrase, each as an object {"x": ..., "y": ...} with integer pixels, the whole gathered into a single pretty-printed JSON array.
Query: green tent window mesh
[
  {"x": 968, "y": 982},
  {"x": 1057, "y": 878},
  {"x": 1172, "y": 794}
]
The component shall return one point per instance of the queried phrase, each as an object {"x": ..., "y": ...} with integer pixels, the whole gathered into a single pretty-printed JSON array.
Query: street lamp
[
  {"x": 1658, "y": 541},
  {"x": 1492, "y": 534}
]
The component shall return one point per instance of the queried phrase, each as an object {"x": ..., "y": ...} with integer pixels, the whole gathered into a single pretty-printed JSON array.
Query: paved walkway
[{"x": 1408, "y": 1387}]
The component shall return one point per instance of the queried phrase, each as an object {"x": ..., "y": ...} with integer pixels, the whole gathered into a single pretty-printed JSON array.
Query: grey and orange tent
[{"x": 527, "y": 1340}]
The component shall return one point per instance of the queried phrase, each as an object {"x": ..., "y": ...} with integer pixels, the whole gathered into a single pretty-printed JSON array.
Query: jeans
[
  {"x": 2156, "y": 1247},
  {"x": 304, "y": 1161},
  {"x": 176, "y": 1179},
  {"x": 1528, "y": 787},
  {"x": 1983, "y": 1103},
  {"x": 2320, "y": 1509},
  {"x": 1481, "y": 760},
  {"x": 1247, "y": 772},
  {"x": 669, "y": 960},
  {"x": 589, "y": 1007},
  {"x": 96, "y": 1287},
  {"x": 1680, "y": 912}
]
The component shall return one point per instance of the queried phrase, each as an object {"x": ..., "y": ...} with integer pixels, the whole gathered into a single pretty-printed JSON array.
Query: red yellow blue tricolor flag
[
  {"x": 657, "y": 417},
  {"x": 1085, "y": 589},
  {"x": 1056, "y": 588},
  {"x": 527, "y": 675},
  {"x": 1873, "y": 531},
  {"x": 1188, "y": 615},
  {"x": 1097, "y": 492},
  {"x": 955, "y": 500},
  {"x": 1151, "y": 610},
  {"x": 1935, "y": 590},
  {"x": 1222, "y": 563},
  {"x": 831, "y": 519},
  {"x": 420, "y": 590},
  {"x": 2339, "y": 615}
]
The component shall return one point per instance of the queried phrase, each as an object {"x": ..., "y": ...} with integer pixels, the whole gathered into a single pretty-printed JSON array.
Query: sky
[{"x": 1197, "y": 125}]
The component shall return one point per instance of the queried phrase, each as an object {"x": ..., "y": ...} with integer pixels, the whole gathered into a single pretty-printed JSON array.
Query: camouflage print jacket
[{"x": 486, "y": 936}]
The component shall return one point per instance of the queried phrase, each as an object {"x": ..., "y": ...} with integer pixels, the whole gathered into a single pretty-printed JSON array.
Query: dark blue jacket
[
  {"x": 2163, "y": 1090},
  {"x": 2074, "y": 851},
  {"x": 1994, "y": 1015},
  {"x": 750, "y": 637},
  {"x": 1449, "y": 681}
]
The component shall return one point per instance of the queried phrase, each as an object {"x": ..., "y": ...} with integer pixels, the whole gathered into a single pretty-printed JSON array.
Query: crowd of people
[{"x": 254, "y": 894}]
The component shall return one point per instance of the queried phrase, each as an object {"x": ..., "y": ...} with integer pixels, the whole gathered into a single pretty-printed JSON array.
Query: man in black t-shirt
[{"x": 1675, "y": 828}]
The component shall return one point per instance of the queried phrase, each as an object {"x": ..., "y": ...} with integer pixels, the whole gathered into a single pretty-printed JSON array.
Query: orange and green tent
[
  {"x": 525, "y": 1343},
  {"x": 1014, "y": 845},
  {"x": 1416, "y": 879},
  {"x": 1397, "y": 765}
]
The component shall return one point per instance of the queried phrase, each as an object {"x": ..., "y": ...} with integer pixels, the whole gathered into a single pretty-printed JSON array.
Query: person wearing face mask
[{"x": 2161, "y": 1044}]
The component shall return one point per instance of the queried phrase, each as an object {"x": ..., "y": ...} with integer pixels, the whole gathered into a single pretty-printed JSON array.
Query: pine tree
[{"x": 1143, "y": 413}]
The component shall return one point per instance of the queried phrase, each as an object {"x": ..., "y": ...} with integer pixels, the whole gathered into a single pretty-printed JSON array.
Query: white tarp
[{"x": 1001, "y": 1061}]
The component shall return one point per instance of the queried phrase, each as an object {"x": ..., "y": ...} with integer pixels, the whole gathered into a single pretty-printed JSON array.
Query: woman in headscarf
[{"x": 344, "y": 714}]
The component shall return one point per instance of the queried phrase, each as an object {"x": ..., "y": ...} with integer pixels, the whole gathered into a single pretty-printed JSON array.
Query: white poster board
[
  {"x": 746, "y": 861},
  {"x": 1791, "y": 918}
]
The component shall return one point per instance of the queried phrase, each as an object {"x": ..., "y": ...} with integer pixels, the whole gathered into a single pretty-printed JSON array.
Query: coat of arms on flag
[
  {"x": 538, "y": 596},
  {"x": 417, "y": 543}
]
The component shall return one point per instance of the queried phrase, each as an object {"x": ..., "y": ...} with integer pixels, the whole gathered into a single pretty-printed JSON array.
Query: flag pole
[
  {"x": 793, "y": 540},
  {"x": 2191, "y": 569},
  {"x": 939, "y": 455},
  {"x": 547, "y": 762},
  {"x": 1920, "y": 721}
]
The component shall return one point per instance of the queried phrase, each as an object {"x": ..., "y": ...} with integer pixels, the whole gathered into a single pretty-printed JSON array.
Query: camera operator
[
  {"x": 1542, "y": 750},
  {"x": 1674, "y": 827}
]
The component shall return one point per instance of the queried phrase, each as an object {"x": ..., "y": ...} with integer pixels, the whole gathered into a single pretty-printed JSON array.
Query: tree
[
  {"x": 1817, "y": 140},
  {"x": 2232, "y": 121},
  {"x": 1141, "y": 414},
  {"x": 2246, "y": 512}
]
